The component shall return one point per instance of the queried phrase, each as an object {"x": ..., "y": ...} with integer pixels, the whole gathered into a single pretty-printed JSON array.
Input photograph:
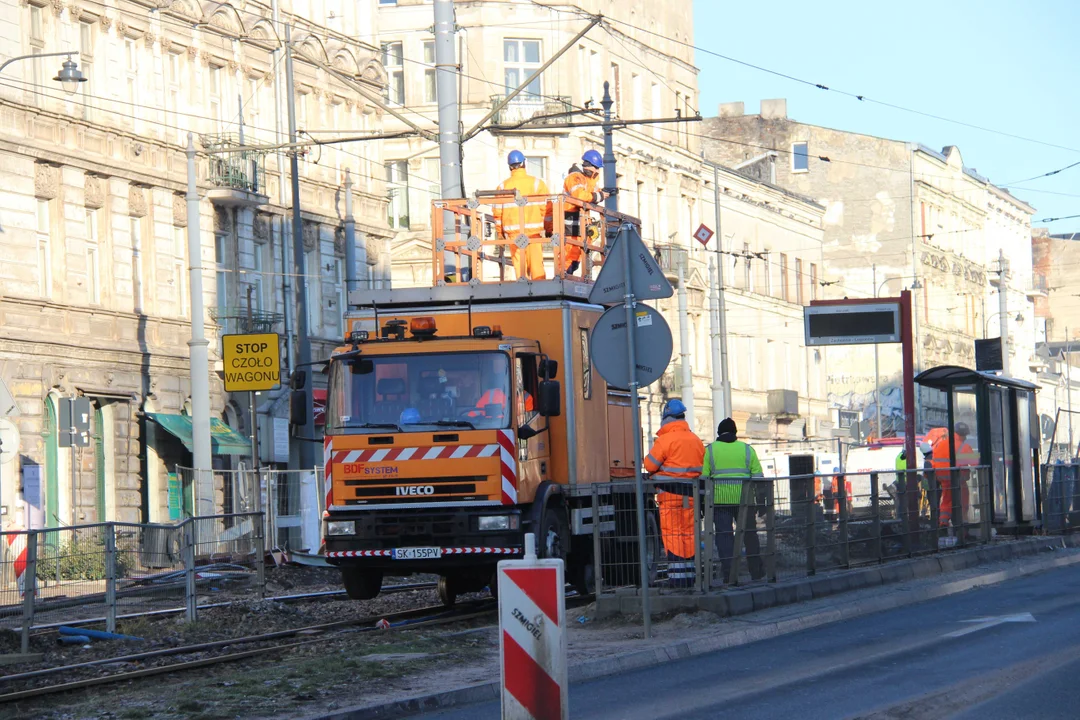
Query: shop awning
[{"x": 223, "y": 439}]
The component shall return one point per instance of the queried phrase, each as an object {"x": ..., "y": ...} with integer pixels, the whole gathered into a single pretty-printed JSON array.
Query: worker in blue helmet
[
  {"x": 580, "y": 184},
  {"x": 523, "y": 225},
  {"x": 674, "y": 462}
]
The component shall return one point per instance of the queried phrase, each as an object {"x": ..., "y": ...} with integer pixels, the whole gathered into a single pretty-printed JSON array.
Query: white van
[{"x": 878, "y": 458}]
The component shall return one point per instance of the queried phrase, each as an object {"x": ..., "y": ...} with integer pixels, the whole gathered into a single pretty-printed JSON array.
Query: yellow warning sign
[{"x": 252, "y": 362}]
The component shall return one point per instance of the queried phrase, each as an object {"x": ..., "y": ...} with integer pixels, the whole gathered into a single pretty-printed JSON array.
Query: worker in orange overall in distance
[
  {"x": 515, "y": 222},
  {"x": 580, "y": 184},
  {"x": 673, "y": 462},
  {"x": 941, "y": 461}
]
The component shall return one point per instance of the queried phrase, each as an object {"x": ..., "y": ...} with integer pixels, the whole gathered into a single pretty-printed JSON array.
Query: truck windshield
[{"x": 414, "y": 393}]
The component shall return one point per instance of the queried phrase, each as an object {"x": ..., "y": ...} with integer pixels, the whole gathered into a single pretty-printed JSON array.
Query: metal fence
[
  {"x": 784, "y": 528},
  {"x": 1061, "y": 496},
  {"x": 111, "y": 570}
]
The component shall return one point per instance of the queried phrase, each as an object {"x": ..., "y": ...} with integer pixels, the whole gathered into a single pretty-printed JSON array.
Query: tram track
[{"x": 417, "y": 617}]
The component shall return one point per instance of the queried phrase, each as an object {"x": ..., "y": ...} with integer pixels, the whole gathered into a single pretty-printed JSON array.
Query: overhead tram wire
[{"x": 810, "y": 83}]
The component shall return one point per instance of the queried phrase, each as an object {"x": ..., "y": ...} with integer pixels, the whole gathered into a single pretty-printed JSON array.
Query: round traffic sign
[{"x": 610, "y": 349}]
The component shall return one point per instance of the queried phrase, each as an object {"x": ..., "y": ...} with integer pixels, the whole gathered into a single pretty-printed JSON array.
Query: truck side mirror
[
  {"x": 548, "y": 368},
  {"x": 298, "y": 379},
  {"x": 550, "y": 398},
  {"x": 297, "y": 407}
]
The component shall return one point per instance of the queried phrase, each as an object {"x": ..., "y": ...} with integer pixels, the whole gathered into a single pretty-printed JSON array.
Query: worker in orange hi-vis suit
[
  {"x": 580, "y": 184},
  {"x": 941, "y": 462},
  {"x": 673, "y": 463},
  {"x": 514, "y": 222}
]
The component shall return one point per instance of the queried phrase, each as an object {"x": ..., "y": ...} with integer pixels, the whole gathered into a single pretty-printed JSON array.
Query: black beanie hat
[{"x": 727, "y": 425}]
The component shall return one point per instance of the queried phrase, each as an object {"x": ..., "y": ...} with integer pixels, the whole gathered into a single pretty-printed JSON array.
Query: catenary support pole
[
  {"x": 198, "y": 349},
  {"x": 686, "y": 371},
  {"x": 446, "y": 71},
  {"x": 306, "y": 453},
  {"x": 350, "y": 239},
  {"x": 714, "y": 343},
  {"x": 877, "y": 371},
  {"x": 721, "y": 307},
  {"x": 612, "y": 203},
  {"x": 1003, "y": 302}
]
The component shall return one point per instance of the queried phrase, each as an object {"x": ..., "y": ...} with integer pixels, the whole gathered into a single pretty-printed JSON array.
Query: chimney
[
  {"x": 732, "y": 109},
  {"x": 774, "y": 109}
]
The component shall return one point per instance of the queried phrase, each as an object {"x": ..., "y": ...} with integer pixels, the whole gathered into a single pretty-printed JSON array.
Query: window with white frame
[
  {"x": 44, "y": 247},
  {"x": 813, "y": 281},
  {"x": 180, "y": 279},
  {"x": 397, "y": 188},
  {"x": 639, "y": 95},
  {"x": 748, "y": 276},
  {"x": 257, "y": 298},
  {"x": 521, "y": 60},
  {"x": 800, "y": 157},
  {"x": 537, "y": 167},
  {"x": 131, "y": 80},
  {"x": 137, "y": 280},
  {"x": 655, "y": 108},
  {"x": 221, "y": 267},
  {"x": 37, "y": 47},
  {"x": 616, "y": 88},
  {"x": 86, "y": 61},
  {"x": 433, "y": 178},
  {"x": 593, "y": 90},
  {"x": 93, "y": 258},
  {"x": 313, "y": 280},
  {"x": 214, "y": 89},
  {"x": 341, "y": 301},
  {"x": 252, "y": 102},
  {"x": 767, "y": 272},
  {"x": 430, "y": 93},
  {"x": 174, "y": 83},
  {"x": 394, "y": 62}
]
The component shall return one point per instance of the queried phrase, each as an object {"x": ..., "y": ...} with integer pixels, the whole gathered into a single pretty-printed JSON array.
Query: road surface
[{"x": 1006, "y": 651}]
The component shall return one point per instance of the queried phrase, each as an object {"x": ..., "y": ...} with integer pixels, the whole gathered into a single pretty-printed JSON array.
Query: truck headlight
[
  {"x": 489, "y": 523},
  {"x": 341, "y": 527}
]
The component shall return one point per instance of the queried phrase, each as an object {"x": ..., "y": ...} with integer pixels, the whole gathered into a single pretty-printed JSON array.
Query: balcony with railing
[
  {"x": 239, "y": 175},
  {"x": 241, "y": 320},
  {"x": 535, "y": 110}
]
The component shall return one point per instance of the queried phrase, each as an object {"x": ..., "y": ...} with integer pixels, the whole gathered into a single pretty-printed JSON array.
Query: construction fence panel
[
  {"x": 226, "y": 557},
  {"x": 784, "y": 528},
  {"x": 294, "y": 501},
  {"x": 1061, "y": 496}
]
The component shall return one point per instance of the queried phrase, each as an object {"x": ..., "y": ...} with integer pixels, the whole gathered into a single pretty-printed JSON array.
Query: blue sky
[{"x": 1009, "y": 66}]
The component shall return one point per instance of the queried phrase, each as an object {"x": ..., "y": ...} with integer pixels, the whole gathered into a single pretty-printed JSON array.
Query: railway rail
[{"x": 433, "y": 615}]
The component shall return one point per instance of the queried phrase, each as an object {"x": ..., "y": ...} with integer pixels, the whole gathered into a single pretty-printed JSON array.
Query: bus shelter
[{"x": 1003, "y": 428}]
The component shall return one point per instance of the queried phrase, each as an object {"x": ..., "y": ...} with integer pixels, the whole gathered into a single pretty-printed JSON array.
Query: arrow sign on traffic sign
[
  {"x": 647, "y": 280},
  {"x": 8, "y": 406},
  {"x": 703, "y": 234},
  {"x": 988, "y": 622}
]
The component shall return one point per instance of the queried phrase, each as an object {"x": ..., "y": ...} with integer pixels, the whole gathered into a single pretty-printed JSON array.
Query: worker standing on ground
[
  {"x": 580, "y": 184},
  {"x": 674, "y": 462},
  {"x": 942, "y": 461},
  {"x": 729, "y": 463},
  {"x": 517, "y": 222}
]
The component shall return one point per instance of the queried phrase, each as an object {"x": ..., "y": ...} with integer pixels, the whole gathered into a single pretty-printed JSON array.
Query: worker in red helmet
[{"x": 580, "y": 184}]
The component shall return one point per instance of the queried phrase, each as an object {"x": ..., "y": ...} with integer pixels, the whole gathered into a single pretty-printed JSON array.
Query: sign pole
[
  {"x": 254, "y": 429},
  {"x": 908, "y": 351},
  {"x": 639, "y": 485}
]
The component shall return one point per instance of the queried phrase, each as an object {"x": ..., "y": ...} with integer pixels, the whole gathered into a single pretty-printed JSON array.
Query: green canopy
[{"x": 223, "y": 439}]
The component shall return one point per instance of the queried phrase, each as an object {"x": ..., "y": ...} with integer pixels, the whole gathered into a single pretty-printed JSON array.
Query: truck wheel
[
  {"x": 361, "y": 584},
  {"x": 553, "y": 534},
  {"x": 653, "y": 549},
  {"x": 447, "y": 591}
]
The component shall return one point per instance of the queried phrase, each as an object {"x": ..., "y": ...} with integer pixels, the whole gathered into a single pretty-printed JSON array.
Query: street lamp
[
  {"x": 69, "y": 75},
  {"x": 1019, "y": 320}
]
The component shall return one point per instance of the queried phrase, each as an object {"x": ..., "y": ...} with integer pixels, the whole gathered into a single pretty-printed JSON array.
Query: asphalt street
[{"x": 1005, "y": 651}]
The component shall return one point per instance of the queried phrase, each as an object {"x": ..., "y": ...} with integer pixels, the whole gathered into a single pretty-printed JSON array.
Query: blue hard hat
[
  {"x": 409, "y": 416},
  {"x": 593, "y": 158},
  {"x": 674, "y": 407},
  {"x": 516, "y": 157}
]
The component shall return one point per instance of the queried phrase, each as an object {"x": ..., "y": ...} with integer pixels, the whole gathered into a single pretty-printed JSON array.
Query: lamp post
[{"x": 69, "y": 76}]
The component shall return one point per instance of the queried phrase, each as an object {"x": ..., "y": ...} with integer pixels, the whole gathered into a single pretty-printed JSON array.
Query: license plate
[{"x": 418, "y": 553}]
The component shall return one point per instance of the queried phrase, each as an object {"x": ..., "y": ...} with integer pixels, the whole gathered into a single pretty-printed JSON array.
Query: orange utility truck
[{"x": 463, "y": 415}]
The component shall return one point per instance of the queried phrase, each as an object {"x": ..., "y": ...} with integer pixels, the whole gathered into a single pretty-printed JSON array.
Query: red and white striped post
[{"x": 532, "y": 637}]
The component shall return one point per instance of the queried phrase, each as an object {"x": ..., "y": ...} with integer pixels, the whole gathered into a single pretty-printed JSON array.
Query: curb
[{"x": 781, "y": 594}]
